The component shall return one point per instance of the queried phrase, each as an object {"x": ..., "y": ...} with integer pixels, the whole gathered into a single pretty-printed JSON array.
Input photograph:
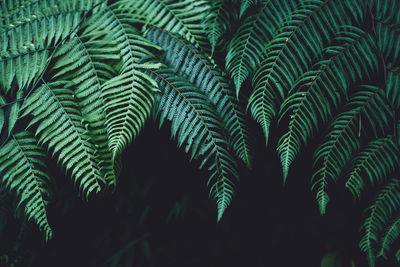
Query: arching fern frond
[
  {"x": 391, "y": 234},
  {"x": 372, "y": 164},
  {"x": 29, "y": 31},
  {"x": 60, "y": 127},
  {"x": 380, "y": 212},
  {"x": 317, "y": 93},
  {"x": 22, "y": 171},
  {"x": 342, "y": 139},
  {"x": 247, "y": 45},
  {"x": 196, "y": 123},
  {"x": 127, "y": 96},
  {"x": 393, "y": 87},
  {"x": 181, "y": 17},
  {"x": 83, "y": 61},
  {"x": 296, "y": 43},
  {"x": 196, "y": 68},
  {"x": 388, "y": 38}
]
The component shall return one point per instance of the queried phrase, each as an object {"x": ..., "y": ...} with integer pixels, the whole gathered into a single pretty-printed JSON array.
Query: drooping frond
[
  {"x": 393, "y": 87},
  {"x": 391, "y": 234},
  {"x": 28, "y": 31},
  {"x": 181, "y": 17},
  {"x": 196, "y": 123},
  {"x": 298, "y": 40},
  {"x": 127, "y": 96},
  {"x": 380, "y": 212},
  {"x": 386, "y": 11},
  {"x": 248, "y": 43},
  {"x": 196, "y": 68},
  {"x": 217, "y": 21},
  {"x": 83, "y": 61},
  {"x": 60, "y": 127},
  {"x": 22, "y": 171},
  {"x": 388, "y": 38},
  {"x": 246, "y": 4},
  {"x": 372, "y": 164},
  {"x": 342, "y": 139},
  {"x": 317, "y": 93}
]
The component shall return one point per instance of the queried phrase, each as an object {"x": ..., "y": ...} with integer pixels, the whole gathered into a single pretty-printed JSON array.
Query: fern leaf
[
  {"x": 393, "y": 87},
  {"x": 317, "y": 93},
  {"x": 342, "y": 139},
  {"x": 196, "y": 123},
  {"x": 29, "y": 32},
  {"x": 193, "y": 66},
  {"x": 373, "y": 164},
  {"x": 60, "y": 127},
  {"x": 127, "y": 96},
  {"x": 216, "y": 22},
  {"x": 248, "y": 43},
  {"x": 389, "y": 42},
  {"x": 21, "y": 165},
  {"x": 391, "y": 234},
  {"x": 181, "y": 17},
  {"x": 380, "y": 212},
  {"x": 297, "y": 42},
  {"x": 83, "y": 61}
]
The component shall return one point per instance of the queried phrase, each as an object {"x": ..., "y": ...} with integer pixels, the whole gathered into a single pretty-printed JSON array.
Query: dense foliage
[{"x": 80, "y": 78}]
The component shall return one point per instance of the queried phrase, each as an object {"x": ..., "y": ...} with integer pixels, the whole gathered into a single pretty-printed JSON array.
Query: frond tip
[{"x": 21, "y": 164}]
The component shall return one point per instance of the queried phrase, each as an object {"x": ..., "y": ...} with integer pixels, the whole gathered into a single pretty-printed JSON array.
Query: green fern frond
[
  {"x": 380, "y": 212},
  {"x": 388, "y": 39},
  {"x": 391, "y": 234},
  {"x": 21, "y": 167},
  {"x": 386, "y": 11},
  {"x": 181, "y": 17},
  {"x": 60, "y": 126},
  {"x": 29, "y": 32},
  {"x": 196, "y": 123},
  {"x": 317, "y": 93},
  {"x": 217, "y": 22},
  {"x": 196, "y": 68},
  {"x": 342, "y": 139},
  {"x": 83, "y": 61},
  {"x": 393, "y": 87},
  {"x": 247, "y": 45},
  {"x": 373, "y": 163},
  {"x": 297, "y": 42},
  {"x": 127, "y": 96}
]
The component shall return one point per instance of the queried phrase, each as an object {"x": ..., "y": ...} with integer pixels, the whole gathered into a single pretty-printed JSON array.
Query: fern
[
  {"x": 309, "y": 99},
  {"x": 21, "y": 165},
  {"x": 391, "y": 235},
  {"x": 196, "y": 123},
  {"x": 342, "y": 139},
  {"x": 379, "y": 213},
  {"x": 192, "y": 65},
  {"x": 393, "y": 87},
  {"x": 181, "y": 17},
  {"x": 247, "y": 45},
  {"x": 373, "y": 163},
  {"x": 59, "y": 127}
]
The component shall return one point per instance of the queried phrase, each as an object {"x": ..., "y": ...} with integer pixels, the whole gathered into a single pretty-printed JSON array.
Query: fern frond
[
  {"x": 342, "y": 139},
  {"x": 181, "y": 17},
  {"x": 83, "y": 61},
  {"x": 391, "y": 234},
  {"x": 216, "y": 22},
  {"x": 373, "y": 163},
  {"x": 247, "y": 45},
  {"x": 21, "y": 166},
  {"x": 386, "y": 11},
  {"x": 388, "y": 38},
  {"x": 29, "y": 32},
  {"x": 60, "y": 127},
  {"x": 380, "y": 212},
  {"x": 393, "y": 87},
  {"x": 196, "y": 68},
  {"x": 127, "y": 96},
  {"x": 196, "y": 123},
  {"x": 317, "y": 93},
  {"x": 297, "y": 42}
]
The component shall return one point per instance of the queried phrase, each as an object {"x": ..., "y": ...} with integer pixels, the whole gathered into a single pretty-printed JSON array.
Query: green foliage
[{"x": 79, "y": 79}]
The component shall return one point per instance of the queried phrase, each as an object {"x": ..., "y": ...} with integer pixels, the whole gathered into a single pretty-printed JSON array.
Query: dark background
[{"x": 268, "y": 224}]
